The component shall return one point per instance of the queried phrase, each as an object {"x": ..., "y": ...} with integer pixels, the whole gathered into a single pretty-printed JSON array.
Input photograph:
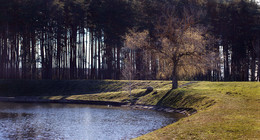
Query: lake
[{"x": 78, "y": 122}]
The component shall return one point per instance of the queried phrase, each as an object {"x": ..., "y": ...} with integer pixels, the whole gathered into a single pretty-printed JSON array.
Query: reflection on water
[{"x": 67, "y": 121}]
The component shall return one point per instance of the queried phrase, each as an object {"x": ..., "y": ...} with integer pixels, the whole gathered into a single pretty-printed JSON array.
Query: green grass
[{"x": 225, "y": 110}]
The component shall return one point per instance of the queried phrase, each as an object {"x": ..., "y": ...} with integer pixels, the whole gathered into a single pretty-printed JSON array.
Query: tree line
[{"x": 87, "y": 39}]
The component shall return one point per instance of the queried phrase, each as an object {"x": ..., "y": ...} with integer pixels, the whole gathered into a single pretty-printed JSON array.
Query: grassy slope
[
  {"x": 235, "y": 114},
  {"x": 226, "y": 110}
]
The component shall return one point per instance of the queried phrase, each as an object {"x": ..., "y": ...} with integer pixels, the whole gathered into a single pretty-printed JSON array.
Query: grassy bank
[
  {"x": 234, "y": 115},
  {"x": 226, "y": 110}
]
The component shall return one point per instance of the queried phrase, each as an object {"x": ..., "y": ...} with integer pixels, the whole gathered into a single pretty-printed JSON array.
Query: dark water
[{"x": 77, "y": 122}]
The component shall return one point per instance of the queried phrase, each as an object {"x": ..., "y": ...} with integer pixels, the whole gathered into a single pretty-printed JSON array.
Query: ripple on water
[{"x": 81, "y": 122}]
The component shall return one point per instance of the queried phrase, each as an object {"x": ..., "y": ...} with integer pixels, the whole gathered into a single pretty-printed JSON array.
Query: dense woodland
[{"x": 86, "y": 39}]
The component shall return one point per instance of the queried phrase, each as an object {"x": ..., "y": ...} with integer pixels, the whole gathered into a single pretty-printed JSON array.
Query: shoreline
[
  {"x": 25, "y": 99},
  {"x": 37, "y": 99},
  {"x": 224, "y": 109}
]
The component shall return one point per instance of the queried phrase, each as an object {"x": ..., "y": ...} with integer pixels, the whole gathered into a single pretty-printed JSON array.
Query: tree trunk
[
  {"x": 258, "y": 72},
  {"x": 42, "y": 57},
  {"x": 4, "y": 56},
  {"x": 226, "y": 62},
  {"x": 109, "y": 59},
  {"x": 139, "y": 63},
  {"x": 65, "y": 65},
  {"x": 118, "y": 62},
  {"x": 253, "y": 66},
  {"x": 92, "y": 55},
  {"x": 33, "y": 63},
  {"x": 58, "y": 67},
  {"x": 99, "y": 62},
  {"x": 24, "y": 54},
  {"x": 83, "y": 53},
  {"x": 89, "y": 55},
  {"x": 154, "y": 65},
  {"x": 174, "y": 79}
]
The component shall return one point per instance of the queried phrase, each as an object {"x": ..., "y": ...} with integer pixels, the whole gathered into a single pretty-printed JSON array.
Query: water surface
[{"x": 77, "y": 122}]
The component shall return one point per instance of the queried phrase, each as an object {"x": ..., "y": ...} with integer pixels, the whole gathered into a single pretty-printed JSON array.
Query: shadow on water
[
  {"x": 18, "y": 124},
  {"x": 5, "y": 115}
]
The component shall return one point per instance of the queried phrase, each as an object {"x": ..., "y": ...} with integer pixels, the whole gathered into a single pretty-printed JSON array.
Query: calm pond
[{"x": 77, "y": 122}]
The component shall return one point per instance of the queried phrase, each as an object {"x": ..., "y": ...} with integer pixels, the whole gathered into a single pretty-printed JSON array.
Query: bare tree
[
  {"x": 128, "y": 71},
  {"x": 180, "y": 41}
]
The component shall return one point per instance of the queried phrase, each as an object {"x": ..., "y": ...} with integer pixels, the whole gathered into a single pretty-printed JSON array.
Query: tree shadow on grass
[
  {"x": 181, "y": 99},
  {"x": 135, "y": 97},
  {"x": 160, "y": 102}
]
